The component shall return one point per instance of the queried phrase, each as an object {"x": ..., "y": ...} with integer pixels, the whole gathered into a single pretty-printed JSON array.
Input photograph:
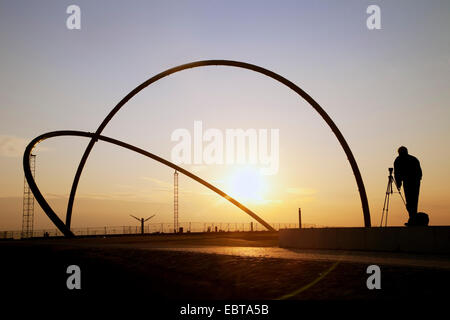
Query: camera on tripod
[
  {"x": 391, "y": 178},
  {"x": 389, "y": 191}
]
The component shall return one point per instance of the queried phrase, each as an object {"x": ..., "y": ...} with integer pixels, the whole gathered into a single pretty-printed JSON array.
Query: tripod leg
[
  {"x": 384, "y": 208},
  {"x": 387, "y": 209},
  {"x": 390, "y": 191},
  {"x": 386, "y": 201}
]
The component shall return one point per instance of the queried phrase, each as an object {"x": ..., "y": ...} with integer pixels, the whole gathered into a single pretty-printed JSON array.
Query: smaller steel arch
[{"x": 63, "y": 227}]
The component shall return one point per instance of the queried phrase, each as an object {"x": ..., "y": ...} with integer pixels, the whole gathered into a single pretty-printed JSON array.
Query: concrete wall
[{"x": 434, "y": 239}]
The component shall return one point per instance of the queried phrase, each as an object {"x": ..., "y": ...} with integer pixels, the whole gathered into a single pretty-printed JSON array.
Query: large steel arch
[
  {"x": 60, "y": 224},
  {"x": 238, "y": 64}
]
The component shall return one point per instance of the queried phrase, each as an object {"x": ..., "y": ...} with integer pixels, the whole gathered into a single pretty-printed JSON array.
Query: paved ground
[
  {"x": 216, "y": 266},
  {"x": 257, "y": 245}
]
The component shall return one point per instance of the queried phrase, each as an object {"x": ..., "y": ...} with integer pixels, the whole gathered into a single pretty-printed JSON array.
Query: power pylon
[
  {"x": 175, "y": 201},
  {"x": 28, "y": 203}
]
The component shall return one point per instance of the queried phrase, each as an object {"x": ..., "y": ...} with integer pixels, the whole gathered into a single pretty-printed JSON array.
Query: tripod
[{"x": 389, "y": 191}]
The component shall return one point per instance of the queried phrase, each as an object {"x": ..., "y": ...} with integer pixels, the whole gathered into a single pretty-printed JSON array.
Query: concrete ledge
[{"x": 434, "y": 239}]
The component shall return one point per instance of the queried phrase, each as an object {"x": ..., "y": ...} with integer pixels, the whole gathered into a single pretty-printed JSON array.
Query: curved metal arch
[
  {"x": 60, "y": 224},
  {"x": 238, "y": 64}
]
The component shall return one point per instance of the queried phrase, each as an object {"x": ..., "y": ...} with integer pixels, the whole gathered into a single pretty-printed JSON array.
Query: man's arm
[
  {"x": 397, "y": 174},
  {"x": 419, "y": 170}
]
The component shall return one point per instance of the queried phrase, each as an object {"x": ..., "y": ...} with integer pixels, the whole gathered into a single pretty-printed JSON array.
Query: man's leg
[
  {"x": 412, "y": 197},
  {"x": 415, "y": 187}
]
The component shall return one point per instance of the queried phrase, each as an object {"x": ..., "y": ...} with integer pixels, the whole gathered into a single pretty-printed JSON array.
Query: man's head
[{"x": 402, "y": 151}]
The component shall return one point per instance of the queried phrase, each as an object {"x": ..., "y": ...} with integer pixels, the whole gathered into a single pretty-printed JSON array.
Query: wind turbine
[{"x": 142, "y": 221}]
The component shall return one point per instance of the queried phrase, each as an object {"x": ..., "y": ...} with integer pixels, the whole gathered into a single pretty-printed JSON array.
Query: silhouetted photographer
[{"x": 407, "y": 172}]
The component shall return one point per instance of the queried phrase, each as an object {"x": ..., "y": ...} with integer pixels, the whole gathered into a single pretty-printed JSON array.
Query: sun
[{"x": 247, "y": 184}]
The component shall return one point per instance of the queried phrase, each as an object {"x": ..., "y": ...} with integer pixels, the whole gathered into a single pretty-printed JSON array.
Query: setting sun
[{"x": 247, "y": 184}]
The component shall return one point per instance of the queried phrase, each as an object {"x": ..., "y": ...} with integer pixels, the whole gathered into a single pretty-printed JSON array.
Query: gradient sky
[{"x": 383, "y": 88}]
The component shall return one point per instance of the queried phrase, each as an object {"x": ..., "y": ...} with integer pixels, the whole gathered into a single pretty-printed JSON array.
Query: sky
[{"x": 383, "y": 88}]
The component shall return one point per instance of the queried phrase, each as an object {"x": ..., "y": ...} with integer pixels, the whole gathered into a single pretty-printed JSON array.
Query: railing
[{"x": 152, "y": 228}]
